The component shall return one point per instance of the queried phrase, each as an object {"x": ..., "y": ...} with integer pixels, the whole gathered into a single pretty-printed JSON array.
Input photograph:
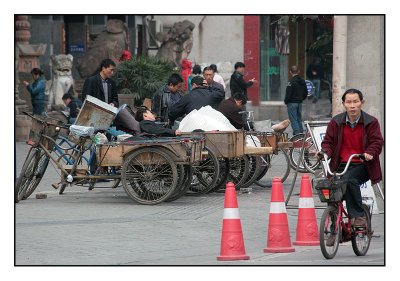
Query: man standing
[
  {"x": 216, "y": 88},
  {"x": 166, "y": 97},
  {"x": 101, "y": 85},
  {"x": 237, "y": 82},
  {"x": 200, "y": 96},
  {"x": 231, "y": 107},
  {"x": 354, "y": 132},
  {"x": 315, "y": 74},
  {"x": 296, "y": 92}
]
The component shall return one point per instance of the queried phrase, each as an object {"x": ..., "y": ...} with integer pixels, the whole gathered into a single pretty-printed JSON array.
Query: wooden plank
[
  {"x": 258, "y": 150},
  {"x": 285, "y": 145}
]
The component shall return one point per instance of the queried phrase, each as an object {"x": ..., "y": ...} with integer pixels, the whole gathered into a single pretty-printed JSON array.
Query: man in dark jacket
[
  {"x": 148, "y": 125},
  {"x": 315, "y": 74},
  {"x": 237, "y": 82},
  {"x": 101, "y": 85},
  {"x": 231, "y": 107},
  {"x": 354, "y": 132},
  {"x": 200, "y": 96},
  {"x": 74, "y": 105},
  {"x": 296, "y": 92},
  {"x": 215, "y": 87},
  {"x": 166, "y": 97}
]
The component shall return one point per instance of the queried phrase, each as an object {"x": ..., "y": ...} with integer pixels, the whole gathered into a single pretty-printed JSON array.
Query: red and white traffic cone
[
  {"x": 307, "y": 229},
  {"x": 232, "y": 244},
  {"x": 278, "y": 228}
]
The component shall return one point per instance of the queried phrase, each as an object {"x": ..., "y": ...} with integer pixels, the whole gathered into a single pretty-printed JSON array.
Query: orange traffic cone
[
  {"x": 232, "y": 245},
  {"x": 307, "y": 229},
  {"x": 278, "y": 228}
]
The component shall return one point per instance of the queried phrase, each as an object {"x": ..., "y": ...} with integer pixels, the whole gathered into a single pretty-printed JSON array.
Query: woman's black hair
[
  {"x": 196, "y": 69},
  {"x": 36, "y": 71}
]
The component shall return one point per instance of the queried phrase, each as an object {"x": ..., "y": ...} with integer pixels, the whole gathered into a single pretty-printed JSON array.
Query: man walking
[
  {"x": 166, "y": 97},
  {"x": 101, "y": 86},
  {"x": 296, "y": 92},
  {"x": 354, "y": 132}
]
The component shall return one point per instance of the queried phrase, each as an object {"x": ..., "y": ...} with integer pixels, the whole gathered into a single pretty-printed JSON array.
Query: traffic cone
[
  {"x": 278, "y": 228},
  {"x": 307, "y": 229},
  {"x": 232, "y": 244}
]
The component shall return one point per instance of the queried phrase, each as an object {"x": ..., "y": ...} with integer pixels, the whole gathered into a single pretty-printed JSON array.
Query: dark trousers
[
  {"x": 356, "y": 175},
  {"x": 38, "y": 108}
]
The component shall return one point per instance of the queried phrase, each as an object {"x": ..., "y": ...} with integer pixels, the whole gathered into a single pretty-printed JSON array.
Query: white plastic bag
[
  {"x": 100, "y": 138},
  {"x": 82, "y": 131},
  {"x": 206, "y": 119}
]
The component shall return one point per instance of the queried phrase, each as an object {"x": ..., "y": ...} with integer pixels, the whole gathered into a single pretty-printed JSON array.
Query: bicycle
[
  {"x": 336, "y": 226},
  {"x": 269, "y": 166},
  {"x": 309, "y": 163}
]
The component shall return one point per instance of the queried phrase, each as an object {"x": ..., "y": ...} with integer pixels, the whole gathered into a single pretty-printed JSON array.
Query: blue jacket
[{"x": 37, "y": 90}]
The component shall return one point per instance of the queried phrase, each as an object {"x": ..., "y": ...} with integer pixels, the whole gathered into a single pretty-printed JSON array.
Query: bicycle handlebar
[{"x": 323, "y": 152}]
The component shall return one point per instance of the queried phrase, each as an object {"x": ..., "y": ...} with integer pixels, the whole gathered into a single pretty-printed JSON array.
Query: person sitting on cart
[
  {"x": 147, "y": 123},
  {"x": 231, "y": 107},
  {"x": 354, "y": 132},
  {"x": 73, "y": 105}
]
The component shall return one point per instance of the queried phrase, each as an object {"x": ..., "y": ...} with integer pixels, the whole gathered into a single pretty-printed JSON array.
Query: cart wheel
[
  {"x": 223, "y": 174},
  {"x": 254, "y": 170},
  {"x": 42, "y": 161},
  {"x": 205, "y": 173},
  {"x": 149, "y": 175},
  {"x": 183, "y": 187},
  {"x": 238, "y": 170},
  {"x": 26, "y": 175}
]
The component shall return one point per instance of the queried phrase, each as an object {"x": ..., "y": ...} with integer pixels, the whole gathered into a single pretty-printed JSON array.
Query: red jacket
[
  {"x": 372, "y": 143},
  {"x": 186, "y": 71}
]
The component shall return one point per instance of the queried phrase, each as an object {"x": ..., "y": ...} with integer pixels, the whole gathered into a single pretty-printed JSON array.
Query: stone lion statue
[
  {"x": 177, "y": 44},
  {"x": 109, "y": 44},
  {"x": 62, "y": 78}
]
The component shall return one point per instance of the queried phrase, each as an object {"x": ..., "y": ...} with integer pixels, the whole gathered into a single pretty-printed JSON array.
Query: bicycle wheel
[
  {"x": 294, "y": 154},
  {"x": 223, "y": 174},
  {"x": 310, "y": 162},
  {"x": 329, "y": 229},
  {"x": 205, "y": 173},
  {"x": 361, "y": 238},
  {"x": 277, "y": 165},
  {"x": 26, "y": 175},
  {"x": 254, "y": 170},
  {"x": 42, "y": 161},
  {"x": 149, "y": 175}
]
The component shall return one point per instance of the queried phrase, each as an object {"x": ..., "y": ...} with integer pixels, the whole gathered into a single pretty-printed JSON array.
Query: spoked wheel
[
  {"x": 42, "y": 161},
  {"x": 26, "y": 175},
  {"x": 329, "y": 232},
  {"x": 184, "y": 182},
  {"x": 205, "y": 173},
  {"x": 238, "y": 170},
  {"x": 149, "y": 175},
  {"x": 310, "y": 162},
  {"x": 294, "y": 154},
  {"x": 254, "y": 170},
  {"x": 273, "y": 165},
  {"x": 223, "y": 174},
  {"x": 361, "y": 238}
]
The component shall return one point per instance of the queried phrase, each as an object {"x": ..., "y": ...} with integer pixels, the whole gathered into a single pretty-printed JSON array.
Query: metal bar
[
  {"x": 297, "y": 170},
  {"x": 52, "y": 158}
]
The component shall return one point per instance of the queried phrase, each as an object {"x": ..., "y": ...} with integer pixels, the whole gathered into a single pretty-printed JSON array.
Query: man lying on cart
[{"x": 147, "y": 119}]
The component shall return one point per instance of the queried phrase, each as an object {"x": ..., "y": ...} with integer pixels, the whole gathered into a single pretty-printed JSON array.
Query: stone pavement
[{"x": 105, "y": 227}]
